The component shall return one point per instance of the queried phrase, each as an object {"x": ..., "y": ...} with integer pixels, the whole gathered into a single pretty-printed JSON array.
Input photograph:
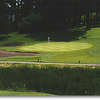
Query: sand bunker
[{"x": 9, "y": 54}]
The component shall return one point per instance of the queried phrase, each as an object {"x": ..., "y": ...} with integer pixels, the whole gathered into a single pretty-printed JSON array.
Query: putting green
[
  {"x": 56, "y": 46},
  {"x": 87, "y": 50}
]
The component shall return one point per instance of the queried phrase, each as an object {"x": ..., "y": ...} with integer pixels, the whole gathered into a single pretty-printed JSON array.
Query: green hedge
[{"x": 48, "y": 78}]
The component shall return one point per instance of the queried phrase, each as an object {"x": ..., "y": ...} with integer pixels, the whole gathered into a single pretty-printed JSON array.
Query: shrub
[
  {"x": 31, "y": 23},
  {"x": 48, "y": 78}
]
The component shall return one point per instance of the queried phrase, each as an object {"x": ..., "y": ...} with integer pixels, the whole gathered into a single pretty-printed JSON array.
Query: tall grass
[{"x": 63, "y": 80}]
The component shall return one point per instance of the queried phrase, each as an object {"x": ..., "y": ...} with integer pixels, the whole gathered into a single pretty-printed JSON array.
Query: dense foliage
[
  {"x": 60, "y": 80},
  {"x": 48, "y": 15},
  {"x": 55, "y": 13}
]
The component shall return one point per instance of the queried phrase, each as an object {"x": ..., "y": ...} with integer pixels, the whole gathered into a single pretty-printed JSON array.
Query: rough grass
[
  {"x": 87, "y": 50},
  {"x": 50, "y": 79}
]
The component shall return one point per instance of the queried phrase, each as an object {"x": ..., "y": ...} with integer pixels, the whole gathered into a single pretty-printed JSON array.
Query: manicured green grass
[
  {"x": 87, "y": 50},
  {"x": 56, "y": 47},
  {"x": 23, "y": 93},
  {"x": 20, "y": 58}
]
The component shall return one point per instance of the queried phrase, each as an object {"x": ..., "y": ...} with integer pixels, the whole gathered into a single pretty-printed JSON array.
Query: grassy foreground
[
  {"x": 48, "y": 80},
  {"x": 87, "y": 50}
]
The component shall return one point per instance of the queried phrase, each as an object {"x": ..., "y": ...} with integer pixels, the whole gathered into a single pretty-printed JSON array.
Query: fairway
[{"x": 86, "y": 50}]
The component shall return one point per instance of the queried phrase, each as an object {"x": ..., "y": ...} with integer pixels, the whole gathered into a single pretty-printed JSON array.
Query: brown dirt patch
[
  {"x": 13, "y": 44},
  {"x": 9, "y": 54}
]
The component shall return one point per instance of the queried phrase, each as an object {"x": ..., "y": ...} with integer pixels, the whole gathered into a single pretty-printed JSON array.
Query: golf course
[
  {"x": 49, "y": 47},
  {"x": 86, "y": 49}
]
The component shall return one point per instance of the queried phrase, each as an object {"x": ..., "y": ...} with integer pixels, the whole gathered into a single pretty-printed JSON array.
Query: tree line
[{"x": 48, "y": 15}]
